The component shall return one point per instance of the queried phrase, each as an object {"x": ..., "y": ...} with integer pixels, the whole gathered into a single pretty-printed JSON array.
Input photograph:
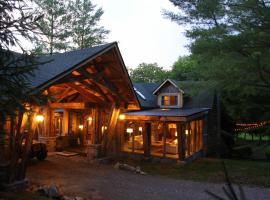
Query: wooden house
[{"x": 92, "y": 101}]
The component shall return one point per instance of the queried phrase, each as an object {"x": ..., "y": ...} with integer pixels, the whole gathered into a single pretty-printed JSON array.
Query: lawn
[{"x": 211, "y": 170}]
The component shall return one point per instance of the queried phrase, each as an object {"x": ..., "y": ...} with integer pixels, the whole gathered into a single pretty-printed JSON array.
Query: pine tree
[
  {"x": 85, "y": 31},
  {"x": 54, "y": 26}
]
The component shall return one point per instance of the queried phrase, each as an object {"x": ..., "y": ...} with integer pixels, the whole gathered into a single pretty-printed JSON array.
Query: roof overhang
[
  {"x": 106, "y": 68},
  {"x": 167, "y": 114}
]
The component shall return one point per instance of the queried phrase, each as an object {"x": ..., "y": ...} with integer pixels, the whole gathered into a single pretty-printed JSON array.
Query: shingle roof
[
  {"x": 196, "y": 96},
  {"x": 147, "y": 89},
  {"x": 59, "y": 63},
  {"x": 168, "y": 112}
]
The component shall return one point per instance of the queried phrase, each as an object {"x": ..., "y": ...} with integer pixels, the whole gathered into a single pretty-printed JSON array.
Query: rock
[
  {"x": 78, "y": 198},
  {"x": 53, "y": 192},
  {"x": 43, "y": 191},
  {"x": 66, "y": 198},
  {"x": 117, "y": 165},
  {"x": 129, "y": 168}
]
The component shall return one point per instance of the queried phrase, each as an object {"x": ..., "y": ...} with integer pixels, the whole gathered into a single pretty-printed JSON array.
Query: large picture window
[{"x": 169, "y": 100}]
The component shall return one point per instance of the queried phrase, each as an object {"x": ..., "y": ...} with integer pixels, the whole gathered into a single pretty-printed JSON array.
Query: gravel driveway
[{"x": 76, "y": 177}]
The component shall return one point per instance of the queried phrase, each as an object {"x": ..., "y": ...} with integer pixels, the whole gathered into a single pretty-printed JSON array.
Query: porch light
[
  {"x": 90, "y": 119},
  {"x": 140, "y": 129},
  {"x": 130, "y": 130},
  {"x": 122, "y": 117},
  {"x": 103, "y": 128},
  {"x": 80, "y": 127},
  {"x": 39, "y": 118}
]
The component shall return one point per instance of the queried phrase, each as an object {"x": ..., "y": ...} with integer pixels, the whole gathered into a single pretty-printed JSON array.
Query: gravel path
[{"x": 76, "y": 177}]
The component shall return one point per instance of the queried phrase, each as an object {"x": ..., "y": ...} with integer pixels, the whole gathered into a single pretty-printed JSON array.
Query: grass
[
  {"x": 21, "y": 195},
  {"x": 210, "y": 170}
]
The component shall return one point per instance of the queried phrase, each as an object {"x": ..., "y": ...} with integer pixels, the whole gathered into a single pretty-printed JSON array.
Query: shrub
[
  {"x": 267, "y": 153},
  {"x": 242, "y": 151}
]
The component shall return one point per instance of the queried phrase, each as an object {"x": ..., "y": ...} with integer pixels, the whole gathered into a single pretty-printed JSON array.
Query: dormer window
[
  {"x": 168, "y": 100},
  {"x": 169, "y": 95}
]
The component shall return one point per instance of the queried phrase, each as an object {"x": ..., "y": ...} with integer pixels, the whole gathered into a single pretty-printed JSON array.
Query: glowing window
[{"x": 169, "y": 100}]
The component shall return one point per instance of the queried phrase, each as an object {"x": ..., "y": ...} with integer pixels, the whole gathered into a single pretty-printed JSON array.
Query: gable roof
[
  {"x": 56, "y": 65},
  {"x": 195, "y": 95},
  {"x": 171, "y": 82}
]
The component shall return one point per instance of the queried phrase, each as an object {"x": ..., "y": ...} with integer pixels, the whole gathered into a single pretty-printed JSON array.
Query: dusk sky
[{"x": 144, "y": 35}]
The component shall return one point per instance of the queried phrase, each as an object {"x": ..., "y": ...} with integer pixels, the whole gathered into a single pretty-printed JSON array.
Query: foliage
[
  {"x": 148, "y": 73},
  {"x": 17, "y": 20},
  {"x": 230, "y": 40},
  {"x": 53, "y": 26},
  {"x": 267, "y": 152},
  {"x": 69, "y": 25},
  {"x": 228, "y": 190},
  {"x": 85, "y": 31},
  {"x": 185, "y": 68}
]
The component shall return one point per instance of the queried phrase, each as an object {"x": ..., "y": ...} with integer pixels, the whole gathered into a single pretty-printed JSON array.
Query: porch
[
  {"x": 86, "y": 91},
  {"x": 165, "y": 133}
]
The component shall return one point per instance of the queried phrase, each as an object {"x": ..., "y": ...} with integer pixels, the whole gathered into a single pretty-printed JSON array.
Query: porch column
[
  {"x": 181, "y": 126},
  {"x": 47, "y": 122},
  {"x": 147, "y": 138},
  {"x": 165, "y": 132},
  {"x": 65, "y": 122},
  {"x": 97, "y": 125}
]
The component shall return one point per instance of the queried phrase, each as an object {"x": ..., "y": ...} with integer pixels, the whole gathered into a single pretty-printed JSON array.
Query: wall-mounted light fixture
[
  {"x": 130, "y": 130},
  {"x": 39, "y": 118},
  {"x": 80, "y": 127},
  {"x": 122, "y": 117},
  {"x": 103, "y": 128},
  {"x": 186, "y": 132},
  {"x": 140, "y": 129}
]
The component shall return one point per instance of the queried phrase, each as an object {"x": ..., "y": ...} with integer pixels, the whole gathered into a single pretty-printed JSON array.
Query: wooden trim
[{"x": 161, "y": 85}]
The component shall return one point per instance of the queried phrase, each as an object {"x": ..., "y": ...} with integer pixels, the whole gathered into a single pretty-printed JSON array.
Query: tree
[
  {"x": 15, "y": 69},
  {"x": 231, "y": 42},
  {"x": 85, "y": 31},
  {"x": 148, "y": 73},
  {"x": 54, "y": 26},
  {"x": 185, "y": 68}
]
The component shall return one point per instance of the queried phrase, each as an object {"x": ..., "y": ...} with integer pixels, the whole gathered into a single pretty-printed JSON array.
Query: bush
[
  {"x": 242, "y": 151},
  {"x": 267, "y": 153}
]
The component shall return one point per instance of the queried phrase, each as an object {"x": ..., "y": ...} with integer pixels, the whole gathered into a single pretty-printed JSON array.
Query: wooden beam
[
  {"x": 175, "y": 119},
  {"x": 95, "y": 90},
  {"x": 98, "y": 81},
  {"x": 85, "y": 93},
  {"x": 69, "y": 105},
  {"x": 107, "y": 96},
  {"x": 112, "y": 128},
  {"x": 73, "y": 78},
  {"x": 142, "y": 118}
]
